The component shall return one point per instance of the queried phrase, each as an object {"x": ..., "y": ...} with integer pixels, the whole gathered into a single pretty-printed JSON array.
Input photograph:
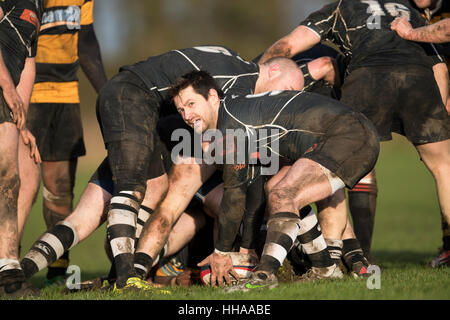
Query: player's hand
[
  {"x": 402, "y": 26},
  {"x": 30, "y": 141},
  {"x": 221, "y": 268},
  {"x": 16, "y": 105}
]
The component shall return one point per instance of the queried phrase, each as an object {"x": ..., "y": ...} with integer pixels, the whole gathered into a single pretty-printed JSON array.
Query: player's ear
[
  {"x": 274, "y": 70},
  {"x": 212, "y": 93}
]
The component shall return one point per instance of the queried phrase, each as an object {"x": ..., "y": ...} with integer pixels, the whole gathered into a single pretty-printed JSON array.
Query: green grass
[{"x": 407, "y": 235}]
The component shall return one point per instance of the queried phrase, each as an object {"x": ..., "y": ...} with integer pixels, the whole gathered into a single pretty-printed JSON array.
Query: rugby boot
[
  {"x": 14, "y": 285},
  {"x": 442, "y": 260},
  {"x": 357, "y": 265},
  {"x": 137, "y": 284},
  {"x": 315, "y": 274},
  {"x": 257, "y": 281}
]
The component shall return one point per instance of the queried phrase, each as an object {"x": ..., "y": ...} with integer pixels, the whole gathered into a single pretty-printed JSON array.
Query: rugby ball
[{"x": 243, "y": 265}]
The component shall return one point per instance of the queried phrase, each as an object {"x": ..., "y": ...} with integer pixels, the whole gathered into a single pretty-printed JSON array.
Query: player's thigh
[
  {"x": 303, "y": 175},
  {"x": 9, "y": 138},
  {"x": 276, "y": 178},
  {"x": 435, "y": 154}
]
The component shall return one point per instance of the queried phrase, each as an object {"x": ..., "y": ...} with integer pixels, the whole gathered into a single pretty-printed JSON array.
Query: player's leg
[
  {"x": 332, "y": 213},
  {"x": 428, "y": 128},
  {"x": 352, "y": 254},
  {"x": 128, "y": 116},
  {"x": 29, "y": 171},
  {"x": 12, "y": 279},
  {"x": 436, "y": 157},
  {"x": 156, "y": 190},
  {"x": 182, "y": 180},
  {"x": 305, "y": 182},
  {"x": 187, "y": 243},
  {"x": 59, "y": 180},
  {"x": 362, "y": 201},
  {"x": 310, "y": 237},
  {"x": 88, "y": 215}
]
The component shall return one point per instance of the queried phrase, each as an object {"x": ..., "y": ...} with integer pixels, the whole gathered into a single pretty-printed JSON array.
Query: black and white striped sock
[
  {"x": 49, "y": 247},
  {"x": 143, "y": 215},
  {"x": 282, "y": 229},
  {"x": 312, "y": 241},
  {"x": 121, "y": 232},
  {"x": 335, "y": 250},
  {"x": 143, "y": 262},
  {"x": 9, "y": 264}
]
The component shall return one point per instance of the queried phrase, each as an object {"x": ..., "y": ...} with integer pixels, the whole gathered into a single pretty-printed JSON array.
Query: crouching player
[{"x": 328, "y": 144}]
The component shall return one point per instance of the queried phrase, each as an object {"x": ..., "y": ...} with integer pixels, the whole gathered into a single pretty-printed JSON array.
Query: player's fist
[{"x": 402, "y": 26}]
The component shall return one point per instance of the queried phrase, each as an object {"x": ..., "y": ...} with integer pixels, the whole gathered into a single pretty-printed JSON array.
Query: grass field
[{"x": 407, "y": 235}]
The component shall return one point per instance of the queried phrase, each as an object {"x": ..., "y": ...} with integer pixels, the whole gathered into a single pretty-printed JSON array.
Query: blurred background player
[
  {"x": 19, "y": 27},
  {"x": 67, "y": 41},
  {"x": 436, "y": 11}
]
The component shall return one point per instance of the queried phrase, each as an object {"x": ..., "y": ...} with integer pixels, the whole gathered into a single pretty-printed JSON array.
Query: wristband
[{"x": 221, "y": 252}]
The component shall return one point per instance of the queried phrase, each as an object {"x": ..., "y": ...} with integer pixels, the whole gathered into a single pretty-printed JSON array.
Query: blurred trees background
[{"x": 130, "y": 31}]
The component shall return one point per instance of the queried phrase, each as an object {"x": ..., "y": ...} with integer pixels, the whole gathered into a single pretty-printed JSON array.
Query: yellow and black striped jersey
[{"x": 57, "y": 59}]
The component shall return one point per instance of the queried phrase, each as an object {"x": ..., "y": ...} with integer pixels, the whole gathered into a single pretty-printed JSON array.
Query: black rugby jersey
[
  {"x": 18, "y": 34},
  {"x": 361, "y": 29},
  {"x": 226, "y": 66}
]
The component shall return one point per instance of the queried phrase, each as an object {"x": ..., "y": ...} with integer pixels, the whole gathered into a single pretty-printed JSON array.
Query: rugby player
[
  {"x": 435, "y": 11},
  {"x": 324, "y": 69},
  {"x": 67, "y": 41},
  {"x": 379, "y": 61},
  {"x": 310, "y": 130},
  {"x": 19, "y": 28}
]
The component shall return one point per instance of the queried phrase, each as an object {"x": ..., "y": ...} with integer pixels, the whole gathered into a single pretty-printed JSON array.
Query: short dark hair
[{"x": 201, "y": 82}]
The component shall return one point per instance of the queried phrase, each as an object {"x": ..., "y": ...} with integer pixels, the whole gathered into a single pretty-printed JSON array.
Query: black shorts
[
  {"x": 58, "y": 130},
  {"x": 401, "y": 99},
  {"x": 104, "y": 178},
  {"x": 6, "y": 114},
  {"x": 128, "y": 114},
  {"x": 349, "y": 149}
]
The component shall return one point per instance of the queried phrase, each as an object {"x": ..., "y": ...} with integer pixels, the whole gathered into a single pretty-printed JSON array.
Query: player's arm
[
  {"x": 438, "y": 32},
  {"x": 24, "y": 89},
  {"x": 89, "y": 49},
  {"x": 10, "y": 94},
  {"x": 25, "y": 86},
  {"x": 253, "y": 216},
  {"x": 309, "y": 33},
  {"x": 232, "y": 210},
  {"x": 184, "y": 181},
  {"x": 325, "y": 68},
  {"x": 299, "y": 40}
]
